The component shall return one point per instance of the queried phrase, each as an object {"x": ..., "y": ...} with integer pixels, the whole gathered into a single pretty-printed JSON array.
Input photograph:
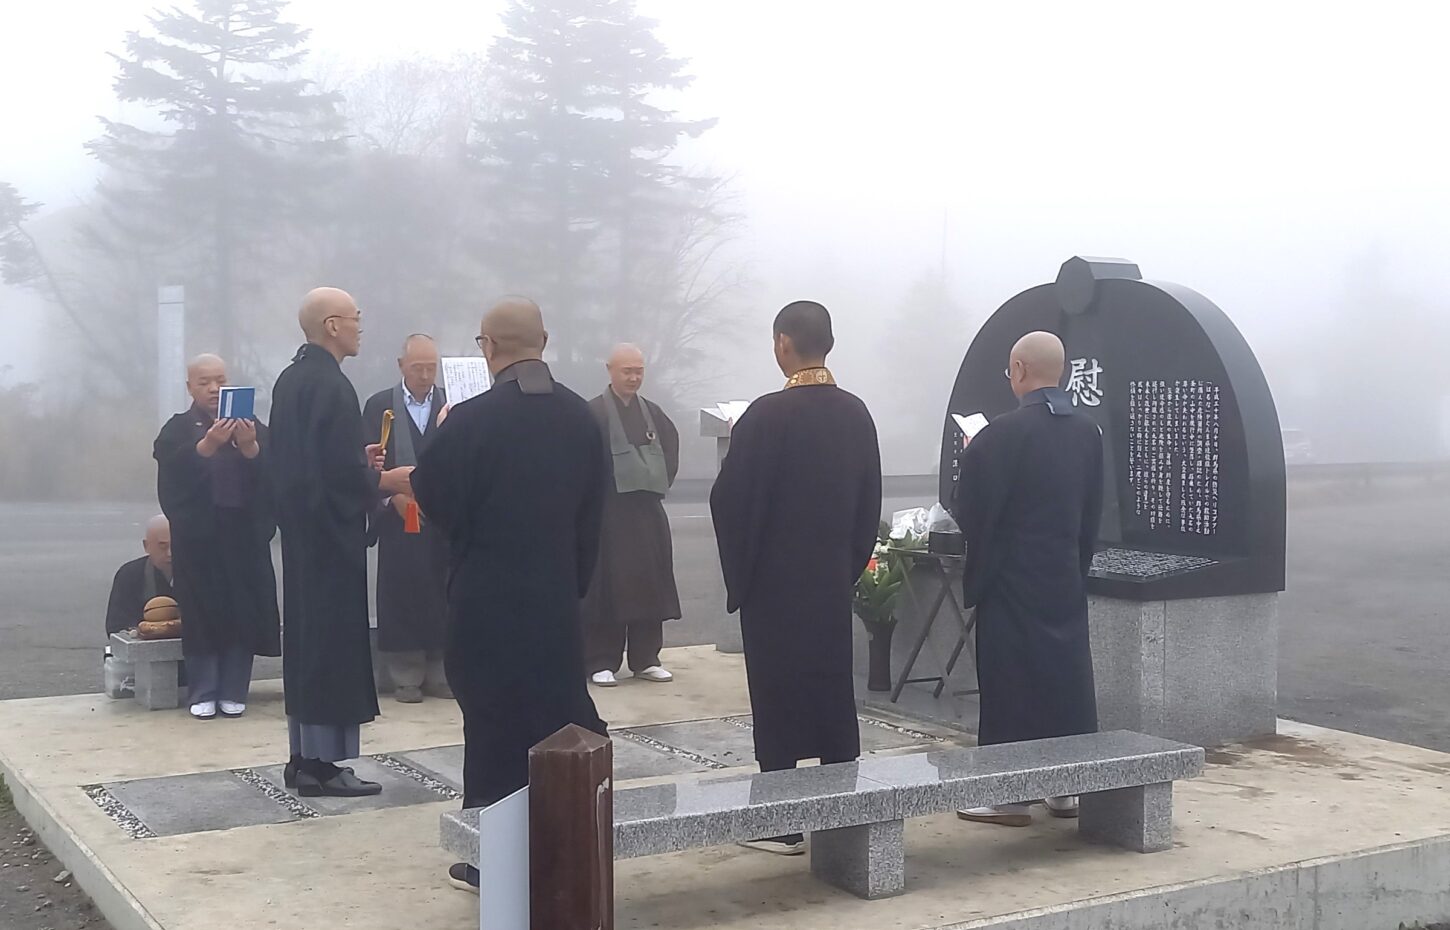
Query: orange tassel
[{"x": 412, "y": 519}]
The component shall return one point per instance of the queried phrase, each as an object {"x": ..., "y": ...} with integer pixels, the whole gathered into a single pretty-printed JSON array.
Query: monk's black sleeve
[
  {"x": 590, "y": 518},
  {"x": 1092, "y": 511},
  {"x": 868, "y": 507}
]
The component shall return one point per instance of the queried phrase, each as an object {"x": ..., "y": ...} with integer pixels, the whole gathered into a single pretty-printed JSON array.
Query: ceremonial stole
[{"x": 810, "y": 376}]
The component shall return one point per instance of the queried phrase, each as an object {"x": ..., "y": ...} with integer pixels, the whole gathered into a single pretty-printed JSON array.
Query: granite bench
[
  {"x": 855, "y": 811},
  {"x": 156, "y": 663}
]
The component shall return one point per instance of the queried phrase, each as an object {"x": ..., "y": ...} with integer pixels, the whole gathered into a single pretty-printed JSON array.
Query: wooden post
[{"x": 571, "y": 832}]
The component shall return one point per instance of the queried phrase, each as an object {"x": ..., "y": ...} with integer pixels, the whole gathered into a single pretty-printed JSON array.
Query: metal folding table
[{"x": 948, "y": 568}]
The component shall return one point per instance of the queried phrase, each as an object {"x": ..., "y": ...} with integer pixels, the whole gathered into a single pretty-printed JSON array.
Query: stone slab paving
[
  {"x": 198, "y": 802},
  {"x": 398, "y": 789},
  {"x": 194, "y": 803}
]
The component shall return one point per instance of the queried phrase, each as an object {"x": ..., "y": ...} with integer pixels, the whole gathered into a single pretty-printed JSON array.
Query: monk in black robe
[
  {"x": 210, "y": 482},
  {"x": 633, "y": 592},
  {"x": 797, "y": 507},
  {"x": 327, "y": 480},
  {"x": 139, "y": 580},
  {"x": 412, "y": 566},
  {"x": 1029, "y": 499},
  {"x": 515, "y": 479},
  {"x": 135, "y": 583}
]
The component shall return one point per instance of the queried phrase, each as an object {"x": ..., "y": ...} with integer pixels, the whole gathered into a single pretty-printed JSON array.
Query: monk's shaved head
[
  {"x": 204, "y": 363},
  {"x": 514, "y": 327},
  {"x": 626, "y": 370},
  {"x": 1036, "y": 362},
  {"x": 157, "y": 543},
  {"x": 321, "y": 303},
  {"x": 330, "y": 318},
  {"x": 624, "y": 355},
  {"x": 808, "y": 326},
  {"x": 205, "y": 376}
]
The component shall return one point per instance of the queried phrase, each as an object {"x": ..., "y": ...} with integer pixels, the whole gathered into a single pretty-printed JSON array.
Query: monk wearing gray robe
[{"x": 633, "y": 590}]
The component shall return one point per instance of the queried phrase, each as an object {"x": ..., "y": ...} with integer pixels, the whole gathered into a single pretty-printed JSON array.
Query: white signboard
[
  {"x": 465, "y": 377},
  {"x": 503, "y": 863},
  {"x": 170, "y": 352}
]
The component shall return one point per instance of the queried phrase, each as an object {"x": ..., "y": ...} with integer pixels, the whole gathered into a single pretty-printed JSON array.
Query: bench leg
[
  {"x": 869, "y": 861},
  {"x": 1139, "y": 818},
  {"x": 156, "y": 685}
]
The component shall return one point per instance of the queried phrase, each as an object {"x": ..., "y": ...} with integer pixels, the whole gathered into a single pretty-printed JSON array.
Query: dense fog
[{"x": 671, "y": 173}]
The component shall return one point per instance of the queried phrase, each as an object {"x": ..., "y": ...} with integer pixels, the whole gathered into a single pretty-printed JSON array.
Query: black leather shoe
[
  {"x": 289, "y": 773},
  {"x": 342, "y": 785}
]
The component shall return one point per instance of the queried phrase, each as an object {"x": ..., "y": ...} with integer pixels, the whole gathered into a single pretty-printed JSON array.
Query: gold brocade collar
[{"x": 810, "y": 376}]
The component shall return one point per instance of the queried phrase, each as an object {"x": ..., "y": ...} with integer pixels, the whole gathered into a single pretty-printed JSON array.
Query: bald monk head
[
  {"x": 512, "y": 331},
  {"x": 1036, "y": 362},
  {"x": 419, "y": 365},
  {"x": 205, "y": 376},
  {"x": 626, "y": 370},
  {"x": 330, "y": 318},
  {"x": 157, "y": 543}
]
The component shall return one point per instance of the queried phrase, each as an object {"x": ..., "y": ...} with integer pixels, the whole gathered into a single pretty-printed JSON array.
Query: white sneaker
[
  {"x": 604, "y": 679},
  {"x": 233, "y": 709},
  {"x": 204, "y": 711},
  {"x": 1003, "y": 815},
  {"x": 656, "y": 673},
  {"x": 1064, "y": 807},
  {"x": 776, "y": 847}
]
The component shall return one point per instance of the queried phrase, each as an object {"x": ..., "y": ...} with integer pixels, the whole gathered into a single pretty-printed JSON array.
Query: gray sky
[{"x": 1247, "y": 149}]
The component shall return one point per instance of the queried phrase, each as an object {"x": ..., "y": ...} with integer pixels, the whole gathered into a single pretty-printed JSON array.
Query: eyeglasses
[
  {"x": 480, "y": 340},
  {"x": 1007, "y": 372},
  {"x": 356, "y": 318}
]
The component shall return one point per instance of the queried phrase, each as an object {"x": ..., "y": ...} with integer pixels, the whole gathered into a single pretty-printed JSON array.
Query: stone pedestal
[
  {"x": 1199, "y": 670},
  {"x": 723, "y": 629}
]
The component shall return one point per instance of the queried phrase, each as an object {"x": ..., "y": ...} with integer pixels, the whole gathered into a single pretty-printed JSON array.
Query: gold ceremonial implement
[{"x": 387, "y": 429}]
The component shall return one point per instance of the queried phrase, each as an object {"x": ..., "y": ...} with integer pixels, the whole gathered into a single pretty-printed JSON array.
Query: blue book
[{"x": 237, "y": 403}]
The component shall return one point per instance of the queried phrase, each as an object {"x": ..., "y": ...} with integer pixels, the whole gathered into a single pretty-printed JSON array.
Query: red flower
[{"x": 871, "y": 566}]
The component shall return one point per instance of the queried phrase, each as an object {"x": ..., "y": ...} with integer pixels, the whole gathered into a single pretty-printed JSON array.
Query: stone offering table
[{"x": 157, "y": 664}]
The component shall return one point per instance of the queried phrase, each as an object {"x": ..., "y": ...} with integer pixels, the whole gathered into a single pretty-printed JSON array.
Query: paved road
[{"x": 1365, "y": 624}]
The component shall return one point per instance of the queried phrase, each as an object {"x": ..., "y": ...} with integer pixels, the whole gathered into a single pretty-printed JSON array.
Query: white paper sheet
[
  {"x": 969, "y": 425},
  {"x": 733, "y": 410},
  {"x": 465, "y": 377}
]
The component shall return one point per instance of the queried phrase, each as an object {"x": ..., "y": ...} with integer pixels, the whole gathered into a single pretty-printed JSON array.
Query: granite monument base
[{"x": 1200, "y": 670}]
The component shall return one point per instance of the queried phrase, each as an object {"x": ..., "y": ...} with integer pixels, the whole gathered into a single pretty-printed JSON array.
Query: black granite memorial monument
[{"x": 1193, "y": 456}]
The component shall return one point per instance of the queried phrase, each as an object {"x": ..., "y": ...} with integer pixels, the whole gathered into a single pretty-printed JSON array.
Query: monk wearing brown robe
[{"x": 633, "y": 591}]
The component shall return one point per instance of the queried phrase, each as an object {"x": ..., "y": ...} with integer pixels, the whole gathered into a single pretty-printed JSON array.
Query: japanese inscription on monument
[
  {"x": 1173, "y": 453},
  {"x": 1082, "y": 382}
]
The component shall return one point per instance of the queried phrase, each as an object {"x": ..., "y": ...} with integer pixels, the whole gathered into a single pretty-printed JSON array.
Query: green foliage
[{"x": 880, "y": 584}]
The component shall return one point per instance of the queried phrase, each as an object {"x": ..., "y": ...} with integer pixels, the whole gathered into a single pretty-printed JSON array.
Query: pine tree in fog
[
  {"x": 586, "y": 206},
  {"x": 231, "y": 153}
]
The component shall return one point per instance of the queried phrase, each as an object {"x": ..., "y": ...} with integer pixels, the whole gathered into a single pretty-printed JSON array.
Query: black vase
[{"x": 878, "y": 674}]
